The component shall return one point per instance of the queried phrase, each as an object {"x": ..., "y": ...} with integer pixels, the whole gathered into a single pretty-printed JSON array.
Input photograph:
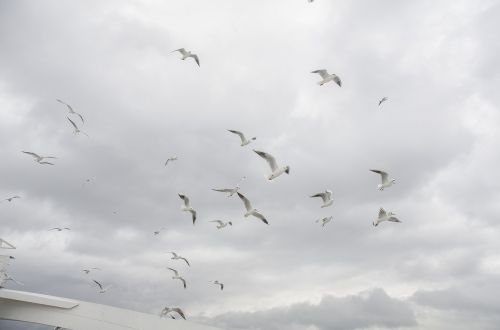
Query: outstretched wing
[
  {"x": 176, "y": 273},
  {"x": 99, "y": 284},
  {"x": 196, "y": 59},
  {"x": 185, "y": 199},
  {"x": 223, "y": 190},
  {"x": 31, "y": 154},
  {"x": 245, "y": 200},
  {"x": 323, "y": 73},
  {"x": 382, "y": 174},
  {"x": 72, "y": 123},
  {"x": 261, "y": 217},
  {"x": 381, "y": 213},
  {"x": 218, "y": 221},
  {"x": 337, "y": 80},
  {"x": 242, "y": 137},
  {"x": 322, "y": 195},
  {"x": 193, "y": 215},
  {"x": 179, "y": 311},
  {"x": 393, "y": 219},
  {"x": 187, "y": 262},
  {"x": 270, "y": 159},
  {"x": 181, "y": 50}
]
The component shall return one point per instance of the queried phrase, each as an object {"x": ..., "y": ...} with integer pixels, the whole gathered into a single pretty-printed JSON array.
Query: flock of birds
[{"x": 276, "y": 171}]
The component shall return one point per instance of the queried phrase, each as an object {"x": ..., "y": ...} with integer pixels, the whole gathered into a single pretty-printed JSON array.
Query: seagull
[
  {"x": 86, "y": 271},
  {"x": 274, "y": 166},
  {"x": 86, "y": 181},
  {"x": 325, "y": 220},
  {"x": 231, "y": 191},
  {"x": 222, "y": 224},
  {"x": 11, "y": 198},
  {"x": 220, "y": 284},
  {"x": 157, "y": 232},
  {"x": 167, "y": 310},
  {"x": 326, "y": 197},
  {"x": 177, "y": 277},
  {"x": 102, "y": 289},
  {"x": 385, "y": 216},
  {"x": 39, "y": 159},
  {"x": 187, "y": 208},
  {"x": 186, "y": 54},
  {"x": 10, "y": 278},
  {"x": 59, "y": 229},
  {"x": 327, "y": 77},
  {"x": 175, "y": 256},
  {"x": 251, "y": 210},
  {"x": 171, "y": 159},
  {"x": 70, "y": 109},
  {"x": 382, "y": 100},
  {"x": 385, "y": 180},
  {"x": 244, "y": 140},
  {"x": 76, "y": 129}
]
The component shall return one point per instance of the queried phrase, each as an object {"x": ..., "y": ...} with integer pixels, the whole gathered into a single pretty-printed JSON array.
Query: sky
[{"x": 112, "y": 61}]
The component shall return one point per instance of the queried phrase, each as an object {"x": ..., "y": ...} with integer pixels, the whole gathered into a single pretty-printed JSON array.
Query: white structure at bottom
[{"x": 77, "y": 315}]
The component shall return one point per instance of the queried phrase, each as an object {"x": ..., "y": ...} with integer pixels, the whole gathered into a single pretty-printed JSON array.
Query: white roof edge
[{"x": 36, "y": 298}]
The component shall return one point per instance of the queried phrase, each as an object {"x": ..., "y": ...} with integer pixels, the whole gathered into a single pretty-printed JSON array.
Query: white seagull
[
  {"x": 11, "y": 198},
  {"x": 277, "y": 171},
  {"x": 222, "y": 224},
  {"x": 382, "y": 100},
  {"x": 216, "y": 282},
  {"x": 385, "y": 216},
  {"x": 231, "y": 191},
  {"x": 171, "y": 159},
  {"x": 386, "y": 182},
  {"x": 70, "y": 109},
  {"x": 185, "y": 54},
  {"x": 39, "y": 159},
  {"x": 59, "y": 229},
  {"x": 177, "y": 277},
  {"x": 175, "y": 256},
  {"x": 167, "y": 310},
  {"x": 157, "y": 232},
  {"x": 325, "y": 220},
  {"x": 251, "y": 210},
  {"x": 327, "y": 77},
  {"x": 326, "y": 197},
  {"x": 102, "y": 289},
  {"x": 76, "y": 129},
  {"x": 244, "y": 140},
  {"x": 187, "y": 207},
  {"x": 87, "y": 271}
]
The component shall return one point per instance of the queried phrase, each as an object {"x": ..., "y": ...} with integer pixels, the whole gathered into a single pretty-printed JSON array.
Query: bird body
[
  {"x": 276, "y": 170},
  {"x": 386, "y": 182},
  {"x": 385, "y": 216},
  {"x": 187, "y": 207},
  {"x": 11, "y": 198},
  {"x": 231, "y": 191},
  {"x": 327, "y": 77},
  {"x": 168, "y": 310},
  {"x": 326, "y": 197},
  {"x": 177, "y": 277},
  {"x": 222, "y": 224},
  {"x": 244, "y": 140},
  {"x": 216, "y": 282},
  {"x": 175, "y": 256},
  {"x": 325, "y": 220},
  {"x": 251, "y": 210},
  {"x": 186, "y": 54}
]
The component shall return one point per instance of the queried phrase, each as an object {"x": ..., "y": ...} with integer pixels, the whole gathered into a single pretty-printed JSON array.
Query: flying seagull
[
  {"x": 76, "y": 129},
  {"x": 157, "y": 232},
  {"x": 187, "y": 207},
  {"x": 216, "y": 282},
  {"x": 382, "y": 100},
  {"x": 167, "y": 310},
  {"x": 39, "y": 159},
  {"x": 11, "y": 198},
  {"x": 251, "y": 210},
  {"x": 177, "y": 277},
  {"x": 102, "y": 289},
  {"x": 385, "y": 180},
  {"x": 175, "y": 256},
  {"x": 171, "y": 159},
  {"x": 70, "y": 109},
  {"x": 327, "y": 77},
  {"x": 185, "y": 54},
  {"x": 87, "y": 271},
  {"x": 385, "y": 216},
  {"x": 231, "y": 191},
  {"x": 326, "y": 197},
  {"x": 244, "y": 140},
  {"x": 59, "y": 229},
  {"x": 325, "y": 220},
  {"x": 222, "y": 224},
  {"x": 274, "y": 166}
]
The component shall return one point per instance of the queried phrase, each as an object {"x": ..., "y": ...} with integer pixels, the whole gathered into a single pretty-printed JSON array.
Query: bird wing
[
  {"x": 181, "y": 50},
  {"x": 323, "y": 73},
  {"x": 393, "y": 219},
  {"x": 179, "y": 311},
  {"x": 187, "y": 262},
  {"x": 175, "y": 272},
  {"x": 99, "y": 284},
  {"x": 56, "y": 228},
  {"x": 46, "y": 163},
  {"x": 337, "y": 80},
  {"x": 270, "y": 159},
  {"x": 196, "y": 58},
  {"x": 223, "y": 190},
  {"x": 185, "y": 199},
  {"x": 183, "y": 281},
  {"x": 322, "y": 195},
  {"x": 66, "y": 104},
  {"x": 261, "y": 217},
  {"x": 81, "y": 117},
  {"x": 218, "y": 221},
  {"x": 193, "y": 213},
  {"x": 383, "y": 175},
  {"x": 381, "y": 213},
  {"x": 174, "y": 254},
  {"x": 245, "y": 200},
  {"x": 32, "y": 154},
  {"x": 242, "y": 137},
  {"x": 72, "y": 123}
]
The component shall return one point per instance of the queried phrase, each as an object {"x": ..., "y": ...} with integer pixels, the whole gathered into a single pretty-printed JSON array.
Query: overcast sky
[{"x": 437, "y": 135}]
